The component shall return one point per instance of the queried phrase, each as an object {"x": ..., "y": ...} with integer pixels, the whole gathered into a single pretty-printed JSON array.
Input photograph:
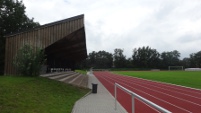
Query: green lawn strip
[
  {"x": 37, "y": 95},
  {"x": 184, "y": 78},
  {"x": 81, "y": 71}
]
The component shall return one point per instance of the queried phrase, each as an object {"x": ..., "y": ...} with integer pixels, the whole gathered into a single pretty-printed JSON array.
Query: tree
[
  {"x": 145, "y": 57},
  {"x": 195, "y": 59},
  {"x": 186, "y": 62},
  {"x": 12, "y": 19},
  {"x": 84, "y": 64},
  {"x": 92, "y": 59},
  {"x": 129, "y": 63},
  {"x": 101, "y": 59},
  {"x": 28, "y": 61},
  {"x": 170, "y": 58},
  {"x": 198, "y": 59},
  {"x": 119, "y": 58}
]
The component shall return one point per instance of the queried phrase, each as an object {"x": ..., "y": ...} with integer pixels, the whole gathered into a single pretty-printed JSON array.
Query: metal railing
[{"x": 134, "y": 95}]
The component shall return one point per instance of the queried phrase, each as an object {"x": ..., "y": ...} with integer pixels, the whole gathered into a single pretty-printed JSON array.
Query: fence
[{"x": 134, "y": 95}]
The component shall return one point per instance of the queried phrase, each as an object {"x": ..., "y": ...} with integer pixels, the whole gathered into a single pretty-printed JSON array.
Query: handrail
[{"x": 139, "y": 97}]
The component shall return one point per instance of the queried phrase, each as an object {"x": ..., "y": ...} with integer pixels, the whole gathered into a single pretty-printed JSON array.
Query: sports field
[{"x": 184, "y": 78}]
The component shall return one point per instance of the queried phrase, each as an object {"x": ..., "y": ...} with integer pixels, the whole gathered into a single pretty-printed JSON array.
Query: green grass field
[
  {"x": 81, "y": 71},
  {"x": 37, "y": 95},
  {"x": 184, "y": 78}
]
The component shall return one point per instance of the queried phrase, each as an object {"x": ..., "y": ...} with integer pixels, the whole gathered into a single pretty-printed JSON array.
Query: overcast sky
[{"x": 164, "y": 25}]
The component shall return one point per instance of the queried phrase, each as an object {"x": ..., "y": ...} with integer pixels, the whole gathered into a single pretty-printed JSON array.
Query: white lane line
[
  {"x": 169, "y": 85},
  {"x": 140, "y": 82},
  {"x": 164, "y": 93},
  {"x": 149, "y": 106},
  {"x": 150, "y": 96}
]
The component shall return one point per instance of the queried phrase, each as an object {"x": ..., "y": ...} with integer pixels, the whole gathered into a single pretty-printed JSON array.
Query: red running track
[{"x": 174, "y": 98}]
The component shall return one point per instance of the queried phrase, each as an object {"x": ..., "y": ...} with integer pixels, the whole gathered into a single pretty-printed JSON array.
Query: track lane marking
[
  {"x": 112, "y": 84},
  {"x": 149, "y": 95},
  {"x": 174, "y": 86},
  {"x": 163, "y": 93},
  {"x": 140, "y": 82}
]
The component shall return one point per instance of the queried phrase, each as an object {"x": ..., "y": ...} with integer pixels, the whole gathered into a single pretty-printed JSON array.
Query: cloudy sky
[{"x": 164, "y": 25}]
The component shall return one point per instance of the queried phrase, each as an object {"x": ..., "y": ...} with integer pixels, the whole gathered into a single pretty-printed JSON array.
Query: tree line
[
  {"x": 12, "y": 19},
  {"x": 142, "y": 58}
]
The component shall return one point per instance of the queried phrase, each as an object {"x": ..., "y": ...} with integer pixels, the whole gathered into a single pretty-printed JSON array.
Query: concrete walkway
[{"x": 102, "y": 102}]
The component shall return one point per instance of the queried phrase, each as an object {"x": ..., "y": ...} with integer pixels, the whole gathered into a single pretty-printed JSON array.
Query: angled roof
[{"x": 64, "y": 39}]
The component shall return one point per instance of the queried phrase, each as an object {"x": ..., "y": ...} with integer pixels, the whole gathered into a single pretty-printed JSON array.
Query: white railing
[{"x": 134, "y": 95}]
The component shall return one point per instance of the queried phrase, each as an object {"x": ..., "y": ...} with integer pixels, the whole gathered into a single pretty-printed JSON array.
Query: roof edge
[
  {"x": 47, "y": 25},
  {"x": 64, "y": 20}
]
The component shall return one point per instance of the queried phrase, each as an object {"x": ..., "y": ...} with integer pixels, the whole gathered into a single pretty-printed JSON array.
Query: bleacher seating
[{"x": 69, "y": 77}]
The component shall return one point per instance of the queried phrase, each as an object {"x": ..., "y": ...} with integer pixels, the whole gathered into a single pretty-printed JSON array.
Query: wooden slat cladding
[{"x": 42, "y": 36}]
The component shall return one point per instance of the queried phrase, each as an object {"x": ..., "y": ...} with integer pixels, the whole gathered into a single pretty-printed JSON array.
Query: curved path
[{"x": 171, "y": 97}]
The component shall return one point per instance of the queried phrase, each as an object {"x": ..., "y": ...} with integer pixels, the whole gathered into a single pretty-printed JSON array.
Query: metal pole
[
  {"x": 139, "y": 97},
  {"x": 115, "y": 95},
  {"x": 133, "y": 104}
]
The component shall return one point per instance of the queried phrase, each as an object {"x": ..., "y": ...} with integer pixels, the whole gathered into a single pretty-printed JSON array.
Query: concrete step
[
  {"x": 51, "y": 74},
  {"x": 70, "y": 82},
  {"x": 57, "y": 77},
  {"x": 84, "y": 82},
  {"x": 81, "y": 81},
  {"x": 69, "y": 78}
]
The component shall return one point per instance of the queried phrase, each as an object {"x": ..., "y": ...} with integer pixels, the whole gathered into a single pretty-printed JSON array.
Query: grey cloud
[
  {"x": 188, "y": 38},
  {"x": 164, "y": 25}
]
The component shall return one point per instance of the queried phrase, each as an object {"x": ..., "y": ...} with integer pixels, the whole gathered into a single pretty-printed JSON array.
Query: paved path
[{"x": 102, "y": 102}]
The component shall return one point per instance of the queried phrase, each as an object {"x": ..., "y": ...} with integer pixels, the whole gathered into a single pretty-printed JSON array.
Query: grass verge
[
  {"x": 37, "y": 95},
  {"x": 184, "y": 78},
  {"x": 81, "y": 71}
]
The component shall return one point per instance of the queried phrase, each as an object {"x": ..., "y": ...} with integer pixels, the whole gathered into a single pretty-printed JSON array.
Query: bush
[{"x": 29, "y": 60}]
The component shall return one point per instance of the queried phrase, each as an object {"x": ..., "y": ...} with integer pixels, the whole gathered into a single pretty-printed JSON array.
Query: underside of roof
[{"x": 71, "y": 47}]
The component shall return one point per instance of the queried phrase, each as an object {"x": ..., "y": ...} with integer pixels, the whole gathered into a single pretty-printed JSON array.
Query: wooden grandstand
[{"x": 63, "y": 41}]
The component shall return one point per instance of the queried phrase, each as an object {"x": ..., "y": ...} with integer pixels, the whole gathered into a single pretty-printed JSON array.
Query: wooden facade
[{"x": 64, "y": 43}]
